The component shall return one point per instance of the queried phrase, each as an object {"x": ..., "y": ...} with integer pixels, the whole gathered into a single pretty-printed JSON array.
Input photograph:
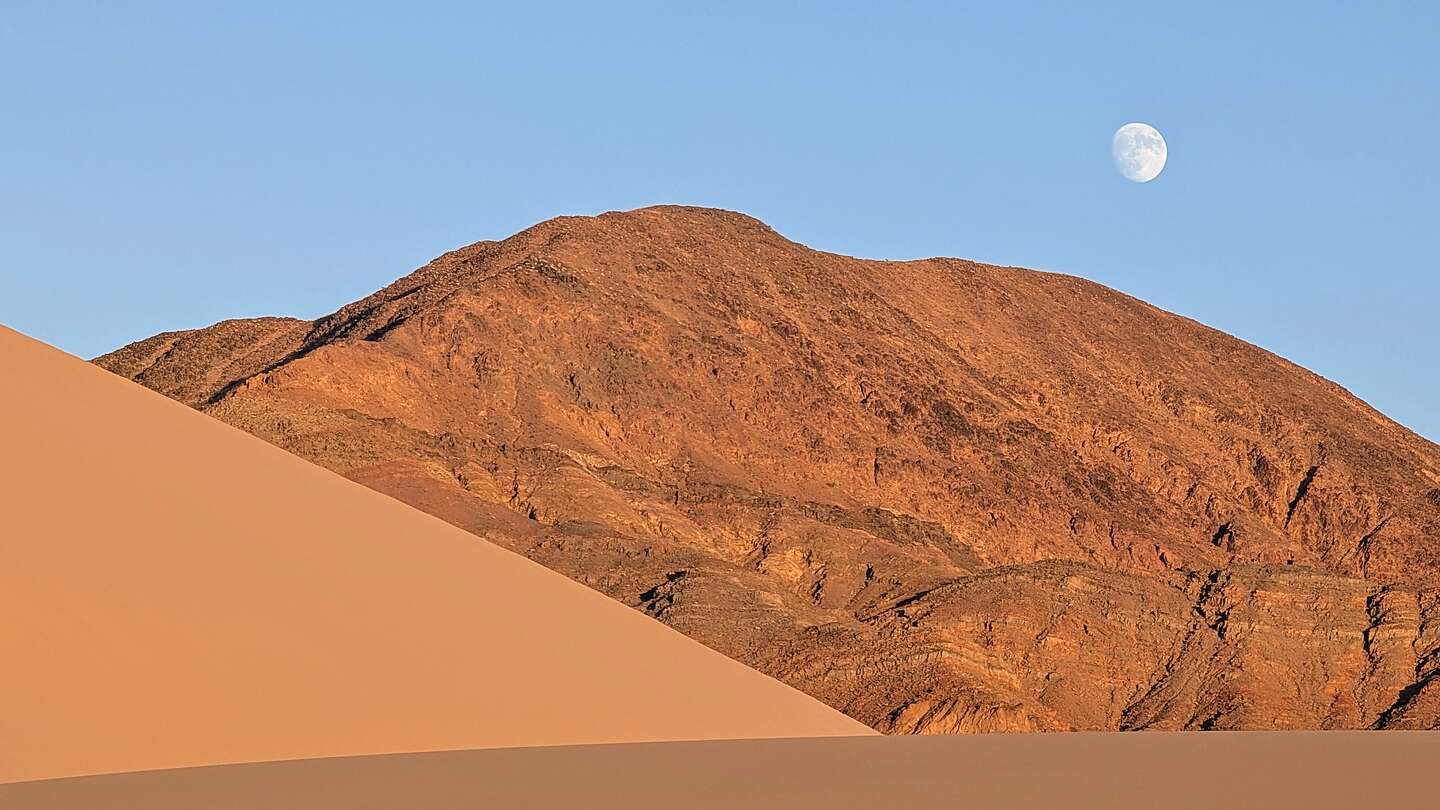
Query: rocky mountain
[{"x": 939, "y": 495}]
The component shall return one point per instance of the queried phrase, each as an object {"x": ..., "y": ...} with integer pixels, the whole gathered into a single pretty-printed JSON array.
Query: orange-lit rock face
[{"x": 939, "y": 495}]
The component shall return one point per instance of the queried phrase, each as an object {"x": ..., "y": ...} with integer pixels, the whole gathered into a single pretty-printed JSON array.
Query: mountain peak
[{"x": 864, "y": 477}]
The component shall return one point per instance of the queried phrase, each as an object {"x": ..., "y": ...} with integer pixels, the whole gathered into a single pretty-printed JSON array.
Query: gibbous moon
[{"x": 1139, "y": 152}]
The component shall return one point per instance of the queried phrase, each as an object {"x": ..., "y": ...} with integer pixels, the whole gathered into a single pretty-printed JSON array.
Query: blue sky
[{"x": 166, "y": 166}]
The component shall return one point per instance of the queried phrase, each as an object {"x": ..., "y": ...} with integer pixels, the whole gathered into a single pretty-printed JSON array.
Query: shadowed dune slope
[
  {"x": 175, "y": 592},
  {"x": 1266, "y": 769}
]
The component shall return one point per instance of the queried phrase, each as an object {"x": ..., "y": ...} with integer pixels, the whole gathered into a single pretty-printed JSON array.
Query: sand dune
[
  {"x": 175, "y": 592},
  {"x": 1273, "y": 770}
]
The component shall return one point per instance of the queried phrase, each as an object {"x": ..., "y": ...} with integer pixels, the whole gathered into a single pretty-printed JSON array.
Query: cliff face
[{"x": 940, "y": 496}]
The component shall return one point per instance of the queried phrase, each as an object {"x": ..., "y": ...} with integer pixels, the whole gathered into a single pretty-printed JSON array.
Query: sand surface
[
  {"x": 175, "y": 592},
  {"x": 1273, "y": 770}
]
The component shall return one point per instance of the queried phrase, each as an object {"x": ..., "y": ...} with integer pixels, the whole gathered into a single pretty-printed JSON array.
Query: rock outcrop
[{"x": 939, "y": 495}]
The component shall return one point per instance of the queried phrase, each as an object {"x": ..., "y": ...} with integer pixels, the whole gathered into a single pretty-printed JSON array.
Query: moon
[{"x": 1139, "y": 152}]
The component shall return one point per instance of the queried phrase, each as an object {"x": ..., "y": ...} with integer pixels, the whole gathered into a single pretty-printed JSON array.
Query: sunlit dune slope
[{"x": 175, "y": 592}]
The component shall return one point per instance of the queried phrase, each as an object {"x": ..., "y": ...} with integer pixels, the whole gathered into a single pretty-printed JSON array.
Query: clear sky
[{"x": 167, "y": 165}]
